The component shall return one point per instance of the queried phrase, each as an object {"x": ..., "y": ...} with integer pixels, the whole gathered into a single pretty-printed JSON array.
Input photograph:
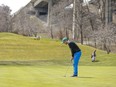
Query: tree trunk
[
  {"x": 49, "y": 21},
  {"x": 66, "y": 33},
  {"x": 51, "y": 32},
  {"x": 108, "y": 12},
  {"x": 74, "y": 20},
  {"x": 95, "y": 43},
  {"x": 81, "y": 34},
  {"x": 77, "y": 20}
]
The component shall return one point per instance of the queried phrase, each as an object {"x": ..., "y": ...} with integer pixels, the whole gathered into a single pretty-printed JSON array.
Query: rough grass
[{"x": 17, "y": 49}]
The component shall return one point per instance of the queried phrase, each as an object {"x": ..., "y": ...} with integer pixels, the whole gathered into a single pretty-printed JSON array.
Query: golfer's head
[{"x": 65, "y": 40}]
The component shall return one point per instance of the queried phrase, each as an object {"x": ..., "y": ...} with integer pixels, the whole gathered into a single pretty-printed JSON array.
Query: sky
[
  {"x": 14, "y": 5},
  {"x": 71, "y": 5}
]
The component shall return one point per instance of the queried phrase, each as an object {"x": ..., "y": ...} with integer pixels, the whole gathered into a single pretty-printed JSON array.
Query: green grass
[
  {"x": 16, "y": 47},
  {"x": 25, "y": 62},
  {"x": 53, "y": 76},
  {"x": 19, "y": 49}
]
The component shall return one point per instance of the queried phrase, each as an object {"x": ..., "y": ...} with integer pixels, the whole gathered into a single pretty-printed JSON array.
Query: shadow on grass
[
  {"x": 96, "y": 61},
  {"x": 14, "y": 63},
  {"x": 32, "y": 62},
  {"x": 85, "y": 77}
]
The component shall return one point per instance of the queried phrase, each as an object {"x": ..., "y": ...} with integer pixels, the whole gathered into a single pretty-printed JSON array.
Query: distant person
[
  {"x": 37, "y": 37},
  {"x": 76, "y": 54},
  {"x": 93, "y": 56}
]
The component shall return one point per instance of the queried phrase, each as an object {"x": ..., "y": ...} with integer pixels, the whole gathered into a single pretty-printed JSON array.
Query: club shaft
[{"x": 66, "y": 70}]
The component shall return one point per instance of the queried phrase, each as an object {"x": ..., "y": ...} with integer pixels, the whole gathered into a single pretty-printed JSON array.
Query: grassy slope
[
  {"x": 50, "y": 52},
  {"x": 19, "y": 48}
]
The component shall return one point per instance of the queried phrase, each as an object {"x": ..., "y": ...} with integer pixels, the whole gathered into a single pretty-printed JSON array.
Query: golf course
[{"x": 26, "y": 62}]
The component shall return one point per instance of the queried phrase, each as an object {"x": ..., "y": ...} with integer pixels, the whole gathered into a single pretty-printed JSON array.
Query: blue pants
[{"x": 76, "y": 58}]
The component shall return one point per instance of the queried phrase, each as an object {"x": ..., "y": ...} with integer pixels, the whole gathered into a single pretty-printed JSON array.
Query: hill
[{"x": 17, "y": 49}]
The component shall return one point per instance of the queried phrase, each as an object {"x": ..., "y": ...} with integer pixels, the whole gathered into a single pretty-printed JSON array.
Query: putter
[{"x": 66, "y": 71}]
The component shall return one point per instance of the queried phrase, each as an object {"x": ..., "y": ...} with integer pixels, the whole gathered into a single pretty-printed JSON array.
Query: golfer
[
  {"x": 93, "y": 56},
  {"x": 76, "y": 54}
]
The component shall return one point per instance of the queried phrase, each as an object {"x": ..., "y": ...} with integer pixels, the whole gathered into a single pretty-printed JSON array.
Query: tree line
[
  {"x": 89, "y": 23},
  {"x": 5, "y": 18},
  {"x": 20, "y": 22}
]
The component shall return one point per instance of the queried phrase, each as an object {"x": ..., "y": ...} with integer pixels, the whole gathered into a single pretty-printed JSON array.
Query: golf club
[{"x": 67, "y": 70}]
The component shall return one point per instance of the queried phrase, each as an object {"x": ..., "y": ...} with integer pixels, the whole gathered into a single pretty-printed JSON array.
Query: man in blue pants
[{"x": 76, "y": 54}]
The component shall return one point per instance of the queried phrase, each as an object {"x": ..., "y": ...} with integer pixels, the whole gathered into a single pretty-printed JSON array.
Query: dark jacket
[{"x": 74, "y": 48}]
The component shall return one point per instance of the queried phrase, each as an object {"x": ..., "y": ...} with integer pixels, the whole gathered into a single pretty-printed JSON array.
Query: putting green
[{"x": 53, "y": 76}]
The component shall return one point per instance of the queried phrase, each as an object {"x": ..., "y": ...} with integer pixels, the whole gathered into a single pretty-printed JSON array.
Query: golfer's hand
[{"x": 71, "y": 59}]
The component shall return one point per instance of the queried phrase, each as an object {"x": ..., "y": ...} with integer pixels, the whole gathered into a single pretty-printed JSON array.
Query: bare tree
[
  {"x": 26, "y": 24},
  {"x": 61, "y": 19},
  {"x": 5, "y": 18},
  {"x": 102, "y": 29}
]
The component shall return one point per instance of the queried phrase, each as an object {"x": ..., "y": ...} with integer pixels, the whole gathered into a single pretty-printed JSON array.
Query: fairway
[{"x": 53, "y": 76}]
